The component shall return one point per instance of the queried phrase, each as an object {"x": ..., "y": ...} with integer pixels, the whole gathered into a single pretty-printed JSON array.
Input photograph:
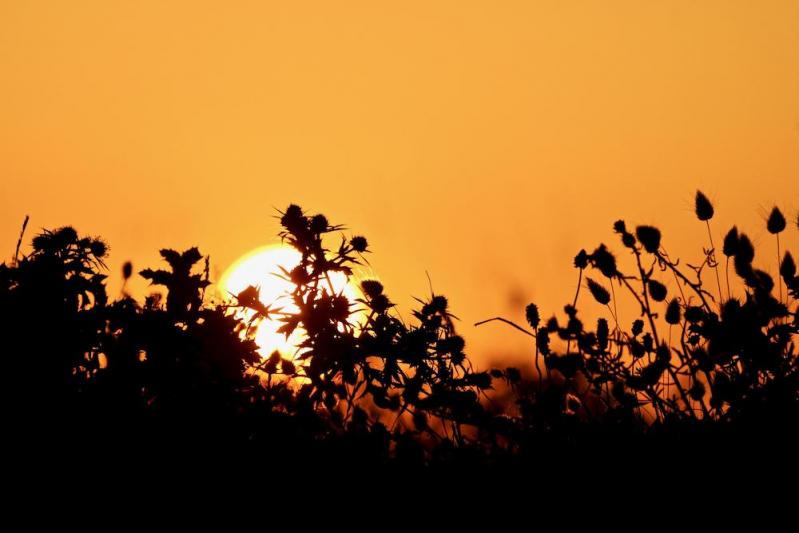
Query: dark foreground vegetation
[{"x": 704, "y": 379}]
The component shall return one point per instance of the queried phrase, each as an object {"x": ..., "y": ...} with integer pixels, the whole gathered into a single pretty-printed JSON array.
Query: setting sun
[{"x": 261, "y": 268}]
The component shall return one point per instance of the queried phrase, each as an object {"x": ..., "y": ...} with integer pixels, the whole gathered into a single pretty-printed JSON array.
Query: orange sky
[{"x": 483, "y": 142}]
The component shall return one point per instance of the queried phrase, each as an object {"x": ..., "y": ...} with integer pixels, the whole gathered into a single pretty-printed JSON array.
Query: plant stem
[{"x": 713, "y": 258}]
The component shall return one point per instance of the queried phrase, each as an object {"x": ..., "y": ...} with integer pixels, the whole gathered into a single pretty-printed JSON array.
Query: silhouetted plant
[
  {"x": 722, "y": 359},
  {"x": 184, "y": 376}
]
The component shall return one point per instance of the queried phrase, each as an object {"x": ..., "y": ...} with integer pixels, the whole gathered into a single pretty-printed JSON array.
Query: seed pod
[
  {"x": 599, "y": 292},
  {"x": 657, "y": 290},
  {"x": 673, "y": 312},
  {"x": 371, "y": 288},
  {"x": 604, "y": 261},
  {"x": 319, "y": 224},
  {"x": 581, "y": 260},
  {"x": 127, "y": 270},
  {"x": 776, "y": 221},
  {"x": 731, "y": 242},
  {"x": 628, "y": 239},
  {"x": 359, "y": 243},
  {"x": 702, "y": 207},
  {"x": 533, "y": 318},
  {"x": 649, "y": 237}
]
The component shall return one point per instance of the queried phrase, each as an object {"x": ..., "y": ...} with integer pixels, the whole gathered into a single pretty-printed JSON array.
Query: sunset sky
[{"x": 482, "y": 142}]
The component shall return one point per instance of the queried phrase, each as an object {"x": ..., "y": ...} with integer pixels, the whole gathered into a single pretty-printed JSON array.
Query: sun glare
[{"x": 261, "y": 268}]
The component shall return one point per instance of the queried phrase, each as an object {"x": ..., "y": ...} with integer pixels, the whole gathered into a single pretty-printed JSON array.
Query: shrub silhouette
[{"x": 91, "y": 381}]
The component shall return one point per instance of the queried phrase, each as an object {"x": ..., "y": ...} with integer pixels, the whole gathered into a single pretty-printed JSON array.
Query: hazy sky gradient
[{"x": 483, "y": 142}]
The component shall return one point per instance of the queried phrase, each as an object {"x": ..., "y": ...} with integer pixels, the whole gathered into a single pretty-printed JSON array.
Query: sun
[{"x": 261, "y": 268}]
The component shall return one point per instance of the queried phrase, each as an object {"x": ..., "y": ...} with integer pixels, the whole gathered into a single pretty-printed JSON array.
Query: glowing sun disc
[{"x": 259, "y": 268}]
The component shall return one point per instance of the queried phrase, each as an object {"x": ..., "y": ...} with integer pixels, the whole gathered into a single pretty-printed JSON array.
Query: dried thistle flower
[
  {"x": 702, "y": 207},
  {"x": 604, "y": 261},
  {"x": 649, "y": 237},
  {"x": 657, "y": 290},
  {"x": 673, "y": 312},
  {"x": 599, "y": 292},
  {"x": 371, "y": 288},
  {"x": 776, "y": 221},
  {"x": 359, "y": 243},
  {"x": 319, "y": 224},
  {"x": 532, "y": 315},
  {"x": 731, "y": 242}
]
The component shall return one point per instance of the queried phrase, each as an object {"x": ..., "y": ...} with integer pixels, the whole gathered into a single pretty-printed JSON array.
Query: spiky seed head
[
  {"x": 604, "y": 261},
  {"x": 380, "y": 303},
  {"x": 439, "y": 304},
  {"x": 649, "y": 237},
  {"x": 371, "y": 287},
  {"x": 67, "y": 234},
  {"x": 619, "y": 226},
  {"x": 657, "y": 290},
  {"x": 673, "y": 312},
  {"x": 702, "y": 207},
  {"x": 359, "y": 243},
  {"x": 293, "y": 218},
  {"x": 628, "y": 239},
  {"x": 730, "y": 247},
  {"x": 599, "y": 292},
  {"x": 299, "y": 276},
  {"x": 581, "y": 260},
  {"x": 776, "y": 221},
  {"x": 319, "y": 224},
  {"x": 532, "y": 315},
  {"x": 98, "y": 248}
]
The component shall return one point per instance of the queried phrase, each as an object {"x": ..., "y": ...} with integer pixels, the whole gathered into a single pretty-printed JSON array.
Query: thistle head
[
  {"x": 702, "y": 207},
  {"x": 649, "y": 237},
  {"x": 776, "y": 221}
]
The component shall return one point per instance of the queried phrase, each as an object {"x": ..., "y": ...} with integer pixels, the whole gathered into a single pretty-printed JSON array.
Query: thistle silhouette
[{"x": 104, "y": 382}]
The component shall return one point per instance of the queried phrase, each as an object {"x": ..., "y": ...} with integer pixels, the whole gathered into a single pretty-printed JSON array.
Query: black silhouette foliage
[{"x": 100, "y": 380}]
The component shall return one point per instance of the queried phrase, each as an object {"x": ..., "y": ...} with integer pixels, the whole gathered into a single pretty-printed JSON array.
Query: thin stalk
[
  {"x": 727, "y": 275},
  {"x": 713, "y": 257},
  {"x": 19, "y": 242},
  {"x": 779, "y": 277}
]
